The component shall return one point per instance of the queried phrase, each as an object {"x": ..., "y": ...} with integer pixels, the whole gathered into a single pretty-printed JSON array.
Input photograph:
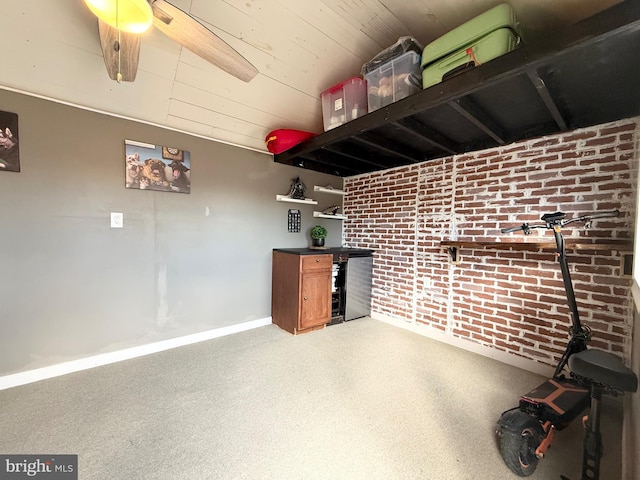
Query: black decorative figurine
[{"x": 297, "y": 189}]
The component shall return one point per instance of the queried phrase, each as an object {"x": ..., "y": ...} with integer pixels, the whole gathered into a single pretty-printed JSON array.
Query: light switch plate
[{"x": 117, "y": 220}]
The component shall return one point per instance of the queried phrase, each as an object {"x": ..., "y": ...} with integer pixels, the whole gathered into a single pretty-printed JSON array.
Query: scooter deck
[{"x": 557, "y": 400}]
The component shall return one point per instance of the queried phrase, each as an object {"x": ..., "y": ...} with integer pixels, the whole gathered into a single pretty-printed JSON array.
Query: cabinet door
[{"x": 315, "y": 298}]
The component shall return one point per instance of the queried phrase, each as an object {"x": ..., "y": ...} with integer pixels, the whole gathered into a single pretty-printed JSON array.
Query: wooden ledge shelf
[
  {"x": 453, "y": 246},
  {"x": 336, "y": 216},
  {"x": 328, "y": 189},
  {"x": 287, "y": 198}
]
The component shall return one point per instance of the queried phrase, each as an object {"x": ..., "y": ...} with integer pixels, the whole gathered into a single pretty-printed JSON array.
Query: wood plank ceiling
[{"x": 300, "y": 47}]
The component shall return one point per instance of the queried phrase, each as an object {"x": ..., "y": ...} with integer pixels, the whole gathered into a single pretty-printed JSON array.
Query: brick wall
[{"x": 506, "y": 299}]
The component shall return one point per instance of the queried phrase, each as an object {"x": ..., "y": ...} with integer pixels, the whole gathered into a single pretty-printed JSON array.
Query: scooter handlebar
[
  {"x": 526, "y": 228},
  {"x": 593, "y": 216},
  {"x": 610, "y": 213},
  {"x": 514, "y": 229}
]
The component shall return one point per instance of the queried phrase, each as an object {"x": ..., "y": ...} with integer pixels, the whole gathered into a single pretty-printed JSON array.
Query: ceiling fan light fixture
[{"x": 133, "y": 16}]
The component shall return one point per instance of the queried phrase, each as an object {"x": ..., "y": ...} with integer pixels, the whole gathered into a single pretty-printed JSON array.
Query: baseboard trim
[
  {"x": 504, "y": 357},
  {"x": 31, "y": 376}
]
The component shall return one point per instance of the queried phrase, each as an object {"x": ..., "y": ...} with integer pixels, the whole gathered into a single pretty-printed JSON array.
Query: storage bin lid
[
  {"x": 409, "y": 60},
  {"x": 341, "y": 85},
  {"x": 401, "y": 47}
]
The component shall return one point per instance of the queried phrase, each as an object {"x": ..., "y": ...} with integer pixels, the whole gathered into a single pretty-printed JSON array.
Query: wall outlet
[{"x": 117, "y": 220}]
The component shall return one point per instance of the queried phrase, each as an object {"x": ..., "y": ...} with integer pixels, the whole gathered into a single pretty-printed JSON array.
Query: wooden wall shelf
[
  {"x": 334, "y": 191},
  {"x": 337, "y": 216},
  {"x": 570, "y": 244},
  {"x": 287, "y": 198}
]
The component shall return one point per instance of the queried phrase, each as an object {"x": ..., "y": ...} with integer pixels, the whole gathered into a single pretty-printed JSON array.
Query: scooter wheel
[{"x": 518, "y": 443}]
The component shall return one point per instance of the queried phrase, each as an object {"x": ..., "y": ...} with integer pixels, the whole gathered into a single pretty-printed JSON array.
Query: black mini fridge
[{"x": 352, "y": 281}]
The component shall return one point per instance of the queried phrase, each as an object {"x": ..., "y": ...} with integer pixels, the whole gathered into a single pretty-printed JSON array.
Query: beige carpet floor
[{"x": 363, "y": 400}]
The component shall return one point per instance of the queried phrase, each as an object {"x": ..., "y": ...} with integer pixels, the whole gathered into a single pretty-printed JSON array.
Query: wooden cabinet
[{"x": 301, "y": 291}]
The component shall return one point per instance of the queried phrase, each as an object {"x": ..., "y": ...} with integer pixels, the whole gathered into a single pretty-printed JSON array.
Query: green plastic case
[
  {"x": 481, "y": 39},
  {"x": 493, "y": 45}
]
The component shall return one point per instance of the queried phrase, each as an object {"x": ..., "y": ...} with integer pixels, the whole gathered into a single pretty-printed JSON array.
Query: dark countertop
[{"x": 349, "y": 252}]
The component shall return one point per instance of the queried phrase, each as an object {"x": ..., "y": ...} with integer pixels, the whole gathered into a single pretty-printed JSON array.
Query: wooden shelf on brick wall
[{"x": 453, "y": 246}]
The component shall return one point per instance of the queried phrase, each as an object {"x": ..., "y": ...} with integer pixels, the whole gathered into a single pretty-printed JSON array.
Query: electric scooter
[{"x": 526, "y": 432}]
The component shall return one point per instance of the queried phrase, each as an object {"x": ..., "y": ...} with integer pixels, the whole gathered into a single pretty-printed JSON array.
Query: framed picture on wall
[
  {"x": 9, "y": 147},
  {"x": 154, "y": 167}
]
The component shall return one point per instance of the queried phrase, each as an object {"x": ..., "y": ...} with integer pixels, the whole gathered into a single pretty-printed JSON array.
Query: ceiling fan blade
[
  {"x": 187, "y": 31},
  {"x": 121, "y": 53}
]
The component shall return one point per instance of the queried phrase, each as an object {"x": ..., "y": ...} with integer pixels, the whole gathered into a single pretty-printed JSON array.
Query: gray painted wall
[{"x": 72, "y": 287}]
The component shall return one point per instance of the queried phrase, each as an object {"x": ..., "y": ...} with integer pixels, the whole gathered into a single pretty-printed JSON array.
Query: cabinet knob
[
  {"x": 317, "y": 260},
  {"x": 306, "y": 298}
]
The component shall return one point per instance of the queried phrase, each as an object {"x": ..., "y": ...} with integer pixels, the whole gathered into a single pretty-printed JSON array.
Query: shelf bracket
[
  {"x": 433, "y": 138},
  {"x": 545, "y": 95},
  {"x": 349, "y": 156},
  {"x": 475, "y": 115},
  {"x": 386, "y": 147}
]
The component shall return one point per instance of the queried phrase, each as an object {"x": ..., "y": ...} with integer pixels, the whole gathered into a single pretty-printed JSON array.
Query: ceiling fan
[{"x": 120, "y": 39}]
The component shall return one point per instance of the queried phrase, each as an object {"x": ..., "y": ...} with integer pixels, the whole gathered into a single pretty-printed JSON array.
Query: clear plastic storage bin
[
  {"x": 344, "y": 102},
  {"x": 394, "y": 80}
]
